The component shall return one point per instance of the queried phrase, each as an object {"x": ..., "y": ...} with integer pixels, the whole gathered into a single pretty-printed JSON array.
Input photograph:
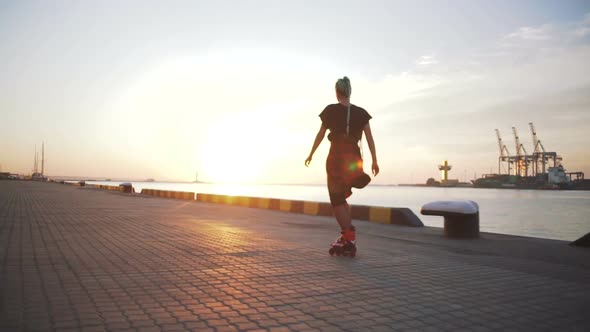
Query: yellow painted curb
[
  {"x": 380, "y": 215},
  {"x": 263, "y": 203},
  {"x": 383, "y": 215},
  {"x": 243, "y": 201},
  {"x": 285, "y": 205},
  {"x": 311, "y": 208}
]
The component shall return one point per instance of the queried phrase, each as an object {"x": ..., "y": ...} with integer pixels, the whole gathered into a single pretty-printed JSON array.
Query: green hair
[{"x": 343, "y": 87}]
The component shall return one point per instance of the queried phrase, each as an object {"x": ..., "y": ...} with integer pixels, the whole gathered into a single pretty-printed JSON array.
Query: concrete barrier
[
  {"x": 127, "y": 187},
  {"x": 384, "y": 215},
  {"x": 584, "y": 241},
  {"x": 107, "y": 187},
  {"x": 186, "y": 195}
]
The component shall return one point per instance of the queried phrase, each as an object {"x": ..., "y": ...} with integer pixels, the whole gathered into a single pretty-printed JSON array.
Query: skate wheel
[{"x": 331, "y": 251}]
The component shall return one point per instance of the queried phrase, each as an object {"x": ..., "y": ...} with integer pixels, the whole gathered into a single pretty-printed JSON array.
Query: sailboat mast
[
  {"x": 43, "y": 159},
  {"x": 35, "y": 161}
]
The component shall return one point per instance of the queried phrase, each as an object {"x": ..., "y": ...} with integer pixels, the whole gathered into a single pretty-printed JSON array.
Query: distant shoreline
[
  {"x": 202, "y": 182},
  {"x": 82, "y": 178}
]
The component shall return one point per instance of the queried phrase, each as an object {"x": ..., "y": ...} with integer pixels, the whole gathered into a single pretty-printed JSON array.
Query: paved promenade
[{"x": 85, "y": 259}]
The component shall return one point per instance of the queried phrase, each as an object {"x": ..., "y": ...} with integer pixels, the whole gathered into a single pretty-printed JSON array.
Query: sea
[{"x": 549, "y": 214}]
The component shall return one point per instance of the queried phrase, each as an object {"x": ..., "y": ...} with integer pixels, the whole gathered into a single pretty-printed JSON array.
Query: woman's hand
[
  {"x": 375, "y": 169},
  {"x": 318, "y": 139}
]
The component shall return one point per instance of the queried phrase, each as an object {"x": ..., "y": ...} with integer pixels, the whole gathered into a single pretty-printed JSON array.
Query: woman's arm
[
  {"x": 371, "y": 142},
  {"x": 318, "y": 139}
]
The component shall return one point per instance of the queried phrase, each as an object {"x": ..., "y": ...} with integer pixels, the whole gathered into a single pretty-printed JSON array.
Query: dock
[{"x": 85, "y": 259}]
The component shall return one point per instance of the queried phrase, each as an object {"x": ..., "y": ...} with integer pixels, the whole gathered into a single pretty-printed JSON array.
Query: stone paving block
[
  {"x": 84, "y": 259},
  {"x": 94, "y": 328},
  {"x": 153, "y": 328},
  {"x": 118, "y": 325}
]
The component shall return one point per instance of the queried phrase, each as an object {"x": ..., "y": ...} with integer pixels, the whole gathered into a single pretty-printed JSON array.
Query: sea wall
[
  {"x": 169, "y": 194},
  {"x": 377, "y": 214},
  {"x": 384, "y": 215},
  {"x": 105, "y": 187}
]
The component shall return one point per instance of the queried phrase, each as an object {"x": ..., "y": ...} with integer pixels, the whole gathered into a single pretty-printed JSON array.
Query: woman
[{"x": 346, "y": 123}]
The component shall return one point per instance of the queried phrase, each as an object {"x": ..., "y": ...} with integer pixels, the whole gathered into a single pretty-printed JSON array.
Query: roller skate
[{"x": 344, "y": 245}]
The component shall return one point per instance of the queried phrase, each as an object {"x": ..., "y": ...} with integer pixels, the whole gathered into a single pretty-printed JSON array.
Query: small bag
[{"x": 360, "y": 179}]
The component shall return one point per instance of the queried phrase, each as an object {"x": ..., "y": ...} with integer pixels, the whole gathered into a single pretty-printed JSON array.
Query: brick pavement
[{"x": 84, "y": 259}]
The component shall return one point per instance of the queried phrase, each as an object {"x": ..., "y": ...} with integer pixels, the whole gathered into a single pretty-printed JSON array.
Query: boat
[
  {"x": 38, "y": 177},
  {"x": 539, "y": 170},
  {"x": 556, "y": 178}
]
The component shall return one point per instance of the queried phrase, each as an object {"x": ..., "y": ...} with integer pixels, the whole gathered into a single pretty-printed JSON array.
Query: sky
[{"x": 233, "y": 89}]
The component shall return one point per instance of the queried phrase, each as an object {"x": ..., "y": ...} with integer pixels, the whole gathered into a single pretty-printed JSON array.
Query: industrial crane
[
  {"x": 540, "y": 169},
  {"x": 517, "y": 141},
  {"x": 504, "y": 154},
  {"x": 536, "y": 151},
  {"x": 540, "y": 156},
  {"x": 517, "y": 169},
  {"x": 522, "y": 158},
  {"x": 536, "y": 141}
]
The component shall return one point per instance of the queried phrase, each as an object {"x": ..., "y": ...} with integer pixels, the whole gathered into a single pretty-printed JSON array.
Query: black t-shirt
[{"x": 334, "y": 118}]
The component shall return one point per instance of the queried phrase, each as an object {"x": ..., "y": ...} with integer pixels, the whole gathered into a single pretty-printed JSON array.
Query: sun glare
[
  {"x": 230, "y": 154},
  {"x": 230, "y": 116}
]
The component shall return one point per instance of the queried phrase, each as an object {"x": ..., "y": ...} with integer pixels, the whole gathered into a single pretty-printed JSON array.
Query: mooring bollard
[
  {"x": 461, "y": 217},
  {"x": 126, "y": 187}
]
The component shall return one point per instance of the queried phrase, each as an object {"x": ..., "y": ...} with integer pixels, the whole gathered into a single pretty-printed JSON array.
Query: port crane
[
  {"x": 541, "y": 157},
  {"x": 504, "y": 154},
  {"x": 523, "y": 159},
  {"x": 523, "y": 163},
  {"x": 540, "y": 169}
]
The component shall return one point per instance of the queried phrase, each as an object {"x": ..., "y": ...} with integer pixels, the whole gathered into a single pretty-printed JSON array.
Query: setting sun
[{"x": 228, "y": 151}]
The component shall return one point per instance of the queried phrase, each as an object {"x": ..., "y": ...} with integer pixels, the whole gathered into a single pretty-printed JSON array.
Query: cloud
[
  {"x": 534, "y": 44},
  {"x": 426, "y": 60},
  {"x": 543, "y": 64},
  {"x": 549, "y": 36},
  {"x": 581, "y": 32},
  {"x": 379, "y": 94},
  {"x": 536, "y": 74},
  {"x": 582, "y": 28},
  {"x": 532, "y": 33}
]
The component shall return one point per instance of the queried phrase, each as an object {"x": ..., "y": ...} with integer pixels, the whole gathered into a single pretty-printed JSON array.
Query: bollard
[
  {"x": 461, "y": 217},
  {"x": 126, "y": 187}
]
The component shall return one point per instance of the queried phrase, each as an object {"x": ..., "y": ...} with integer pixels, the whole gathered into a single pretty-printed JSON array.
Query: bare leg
[{"x": 342, "y": 214}]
